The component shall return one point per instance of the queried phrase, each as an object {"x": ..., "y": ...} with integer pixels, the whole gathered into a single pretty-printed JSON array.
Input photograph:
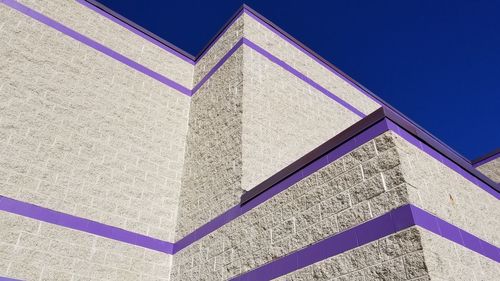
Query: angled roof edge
[
  {"x": 246, "y": 8},
  {"x": 488, "y": 157}
]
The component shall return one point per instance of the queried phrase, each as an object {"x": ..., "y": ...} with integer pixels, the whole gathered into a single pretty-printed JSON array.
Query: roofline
[
  {"x": 246, "y": 8},
  {"x": 488, "y": 157},
  {"x": 137, "y": 27}
]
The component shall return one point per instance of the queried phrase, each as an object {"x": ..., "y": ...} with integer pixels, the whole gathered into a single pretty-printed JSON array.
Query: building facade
[{"x": 123, "y": 158}]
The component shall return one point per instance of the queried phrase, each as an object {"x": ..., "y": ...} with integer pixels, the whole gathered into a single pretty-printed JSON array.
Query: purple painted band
[
  {"x": 134, "y": 28},
  {"x": 8, "y": 279},
  {"x": 294, "y": 42},
  {"x": 301, "y": 76},
  {"x": 81, "y": 224},
  {"x": 372, "y": 230},
  {"x": 217, "y": 66},
  {"x": 95, "y": 45}
]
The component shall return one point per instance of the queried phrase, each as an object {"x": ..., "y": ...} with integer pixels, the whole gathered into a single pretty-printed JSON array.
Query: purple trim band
[
  {"x": 372, "y": 230},
  {"x": 89, "y": 226},
  {"x": 217, "y": 66},
  {"x": 8, "y": 279},
  {"x": 136, "y": 29},
  {"x": 95, "y": 45},
  {"x": 301, "y": 76}
]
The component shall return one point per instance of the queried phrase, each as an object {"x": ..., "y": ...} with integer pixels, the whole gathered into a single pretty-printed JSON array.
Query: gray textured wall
[
  {"x": 84, "y": 134},
  {"x": 361, "y": 185},
  {"x": 97, "y": 27},
  {"x": 34, "y": 250},
  {"x": 212, "y": 173}
]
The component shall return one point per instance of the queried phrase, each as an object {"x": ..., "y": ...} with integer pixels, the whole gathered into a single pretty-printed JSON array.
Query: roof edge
[{"x": 488, "y": 157}]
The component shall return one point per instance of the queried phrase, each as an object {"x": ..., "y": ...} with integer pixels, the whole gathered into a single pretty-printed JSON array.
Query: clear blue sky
[{"x": 438, "y": 62}]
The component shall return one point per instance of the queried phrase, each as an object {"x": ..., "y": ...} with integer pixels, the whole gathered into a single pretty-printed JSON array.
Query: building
[{"x": 123, "y": 158}]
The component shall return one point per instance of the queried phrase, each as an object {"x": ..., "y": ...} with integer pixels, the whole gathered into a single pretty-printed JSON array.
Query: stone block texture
[
  {"x": 361, "y": 185},
  {"x": 109, "y": 33},
  {"x": 83, "y": 133},
  {"x": 34, "y": 250}
]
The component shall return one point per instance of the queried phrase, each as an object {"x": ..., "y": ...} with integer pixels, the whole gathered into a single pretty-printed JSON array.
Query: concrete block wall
[
  {"x": 446, "y": 260},
  {"x": 411, "y": 254},
  {"x": 363, "y": 184},
  {"x": 223, "y": 44},
  {"x": 85, "y": 134},
  {"x": 35, "y": 250},
  {"x": 277, "y": 128},
  {"x": 212, "y": 172},
  {"x": 260, "y": 33},
  {"x": 445, "y": 193},
  {"x": 396, "y": 257},
  {"x": 109, "y": 33}
]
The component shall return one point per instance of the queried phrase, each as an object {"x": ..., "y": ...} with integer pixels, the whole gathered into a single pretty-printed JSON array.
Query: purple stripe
[
  {"x": 367, "y": 232},
  {"x": 454, "y": 233},
  {"x": 81, "y": 224},
  {"x": 444, "y": 160},
  {"x": 136, "y": 31},
  {"x": 309, "y": 54},
  {"x": 217, "y": 66},
  {"x": 8, "y": 279},
  {"x": 97, "y": 46},
  {"x": 301, "y": 76}
]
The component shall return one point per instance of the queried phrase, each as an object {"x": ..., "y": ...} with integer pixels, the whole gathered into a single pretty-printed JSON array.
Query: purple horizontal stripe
[
  {"x": 50, "y": 216},
  {"x": 454, "y": 233},
  {"x": 367, "y": 232},
  {"x": 301, "y": 76},
  {"x": 136, "y": 31},
  {"x": 444, "y": 160},
  {"x": 95, "y": 45},
  {"x": 8, "y": 279}
]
